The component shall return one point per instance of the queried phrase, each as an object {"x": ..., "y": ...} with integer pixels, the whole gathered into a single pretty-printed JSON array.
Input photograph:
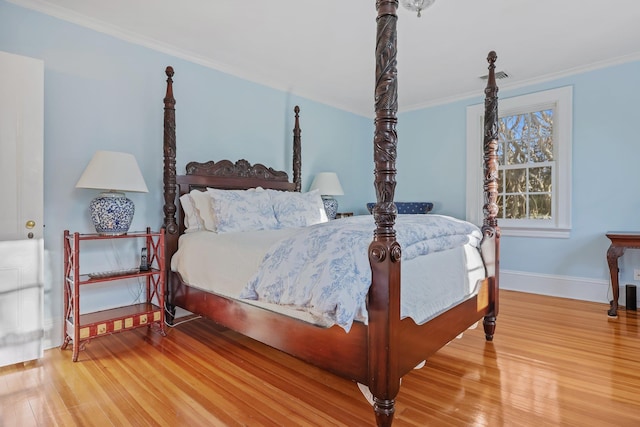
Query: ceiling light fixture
[{"x": 416, "y": 5}]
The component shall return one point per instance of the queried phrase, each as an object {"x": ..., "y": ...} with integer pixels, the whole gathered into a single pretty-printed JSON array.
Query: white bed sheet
[{"x": 224, "y": 263}]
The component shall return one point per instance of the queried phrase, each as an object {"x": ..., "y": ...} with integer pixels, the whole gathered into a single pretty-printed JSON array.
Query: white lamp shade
[
  {"x": 327, "y": 184},
  {"x": 112, "y": 170}
]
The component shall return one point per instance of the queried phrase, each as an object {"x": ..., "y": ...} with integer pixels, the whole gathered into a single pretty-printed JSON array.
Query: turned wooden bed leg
[
  {"x": 489, "y": 324},
  {"x": 169, "y": 307},
  {"x": 170, "y": 313},
  {"x": 384, "y": 410}
]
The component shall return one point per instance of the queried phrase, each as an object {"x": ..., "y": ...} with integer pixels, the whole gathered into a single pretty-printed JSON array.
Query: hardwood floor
[{"x": 554, "y": 362}]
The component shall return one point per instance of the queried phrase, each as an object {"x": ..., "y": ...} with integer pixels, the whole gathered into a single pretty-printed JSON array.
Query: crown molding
[
  {"x": 67, "y": 15},
  {"x": 51, "y": 9},
  {"x": 529, "y": 82}
]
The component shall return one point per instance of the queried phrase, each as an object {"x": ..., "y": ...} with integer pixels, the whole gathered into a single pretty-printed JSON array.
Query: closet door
[{"x": 21, "y": 216}]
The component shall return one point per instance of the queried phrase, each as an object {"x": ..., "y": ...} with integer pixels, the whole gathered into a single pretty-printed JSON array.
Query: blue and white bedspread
[{"x": 325, "y": 269}]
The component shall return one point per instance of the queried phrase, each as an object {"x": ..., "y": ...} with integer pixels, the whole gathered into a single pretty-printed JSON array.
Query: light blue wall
[
  {"x": 606, "y": 185},
  {"x": 432, "y": 157},
  {"x": 102, "y": 93},
  {"x": 605, "y": 179}
]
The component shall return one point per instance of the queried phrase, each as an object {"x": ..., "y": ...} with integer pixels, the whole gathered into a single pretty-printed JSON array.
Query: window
[{"x": 534, "y": 171}]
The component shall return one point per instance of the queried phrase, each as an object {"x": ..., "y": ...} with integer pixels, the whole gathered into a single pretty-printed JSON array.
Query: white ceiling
[{"x": 324, "y": 49}]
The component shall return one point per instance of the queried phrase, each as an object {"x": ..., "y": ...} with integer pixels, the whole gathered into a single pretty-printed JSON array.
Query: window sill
[{"x": 553, "y": 233}]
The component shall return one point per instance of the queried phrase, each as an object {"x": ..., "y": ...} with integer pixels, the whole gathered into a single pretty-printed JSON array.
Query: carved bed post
[
  {"x": 490, "y": 229},
  {"x": 297, "y": 155},
  {"x": 169, "y": 178},
  {"x": 169, "y": 145},
  {"x": 384, "y": 251}
]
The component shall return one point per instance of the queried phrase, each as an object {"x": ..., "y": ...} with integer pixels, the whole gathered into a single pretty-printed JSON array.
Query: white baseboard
[{"x": 579, "y": 288}]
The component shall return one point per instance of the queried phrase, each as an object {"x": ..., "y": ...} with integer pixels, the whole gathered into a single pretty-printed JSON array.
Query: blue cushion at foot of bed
[{"x": 408, "y": 207}]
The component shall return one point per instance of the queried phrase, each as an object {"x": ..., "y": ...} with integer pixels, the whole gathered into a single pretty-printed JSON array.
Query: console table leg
[{"x": 613, "y": 254}]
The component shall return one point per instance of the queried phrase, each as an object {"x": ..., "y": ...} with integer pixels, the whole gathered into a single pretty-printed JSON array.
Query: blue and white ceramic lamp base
[
  {"x": 112, "y": 213},
  {"x": 330, "y": 206}
]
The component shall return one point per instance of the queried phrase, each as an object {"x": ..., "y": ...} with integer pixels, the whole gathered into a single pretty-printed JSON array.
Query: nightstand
[{"x": 81, "y": 328}]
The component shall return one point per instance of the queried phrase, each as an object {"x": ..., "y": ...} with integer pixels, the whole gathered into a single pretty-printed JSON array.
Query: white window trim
[{"x": 561, "y": 100}]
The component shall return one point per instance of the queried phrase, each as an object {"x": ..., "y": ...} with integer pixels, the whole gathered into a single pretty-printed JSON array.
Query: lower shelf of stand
[{"x": 119, "y": 319}]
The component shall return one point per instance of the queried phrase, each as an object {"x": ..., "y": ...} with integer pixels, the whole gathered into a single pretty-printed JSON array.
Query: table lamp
[
  {"x": 115, "y": 172},
  {"x": 328, "y": 185}
]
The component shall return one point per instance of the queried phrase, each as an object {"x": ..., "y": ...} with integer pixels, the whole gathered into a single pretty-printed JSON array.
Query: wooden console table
[{"x": 620, "y": 240}]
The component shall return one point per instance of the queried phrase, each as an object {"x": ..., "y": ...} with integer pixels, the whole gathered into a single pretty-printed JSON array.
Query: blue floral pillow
[
  {"x": 293, "y": 209},
  {"x": 242, "y": 210}
]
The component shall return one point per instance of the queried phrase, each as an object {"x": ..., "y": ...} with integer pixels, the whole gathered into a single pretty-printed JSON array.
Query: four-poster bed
[{"x": 376, "y": 353}]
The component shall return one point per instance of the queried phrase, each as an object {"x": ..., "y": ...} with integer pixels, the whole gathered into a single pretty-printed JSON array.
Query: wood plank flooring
[{"x": 554, "y": 362}]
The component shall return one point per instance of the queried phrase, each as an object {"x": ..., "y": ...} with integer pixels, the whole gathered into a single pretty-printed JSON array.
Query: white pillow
[
  {"x": 202, "y": 205},
  {"x": 242, "y": 210},
  {"x": 293, "y": 209},
  {"x": 192, "y": 221}
]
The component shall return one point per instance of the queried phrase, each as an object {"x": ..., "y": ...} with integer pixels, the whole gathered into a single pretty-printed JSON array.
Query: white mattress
[{"x": 224, "y": 263}]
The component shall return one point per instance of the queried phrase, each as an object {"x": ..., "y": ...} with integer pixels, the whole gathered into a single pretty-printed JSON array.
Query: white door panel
[
  {"x": 21, "y": 136},
  {"x": 21, "y": 301},
  {"x": 21, "y": 216}
]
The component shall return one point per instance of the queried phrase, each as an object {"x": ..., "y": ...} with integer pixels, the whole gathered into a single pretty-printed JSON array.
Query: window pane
[
  {"x": 542, "y": 124},
  {"x": 515, "y": 207},
  {"x": 540, "y": 206},
  {"x": 540, "y": 180},
  {"x": 500, "y": 179},
  {"x": 516, "y": 152},
  {"x": 511, "y": 127},
  {"x": 515, "y": 181},
  {"x": 540, "y": 150}
]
